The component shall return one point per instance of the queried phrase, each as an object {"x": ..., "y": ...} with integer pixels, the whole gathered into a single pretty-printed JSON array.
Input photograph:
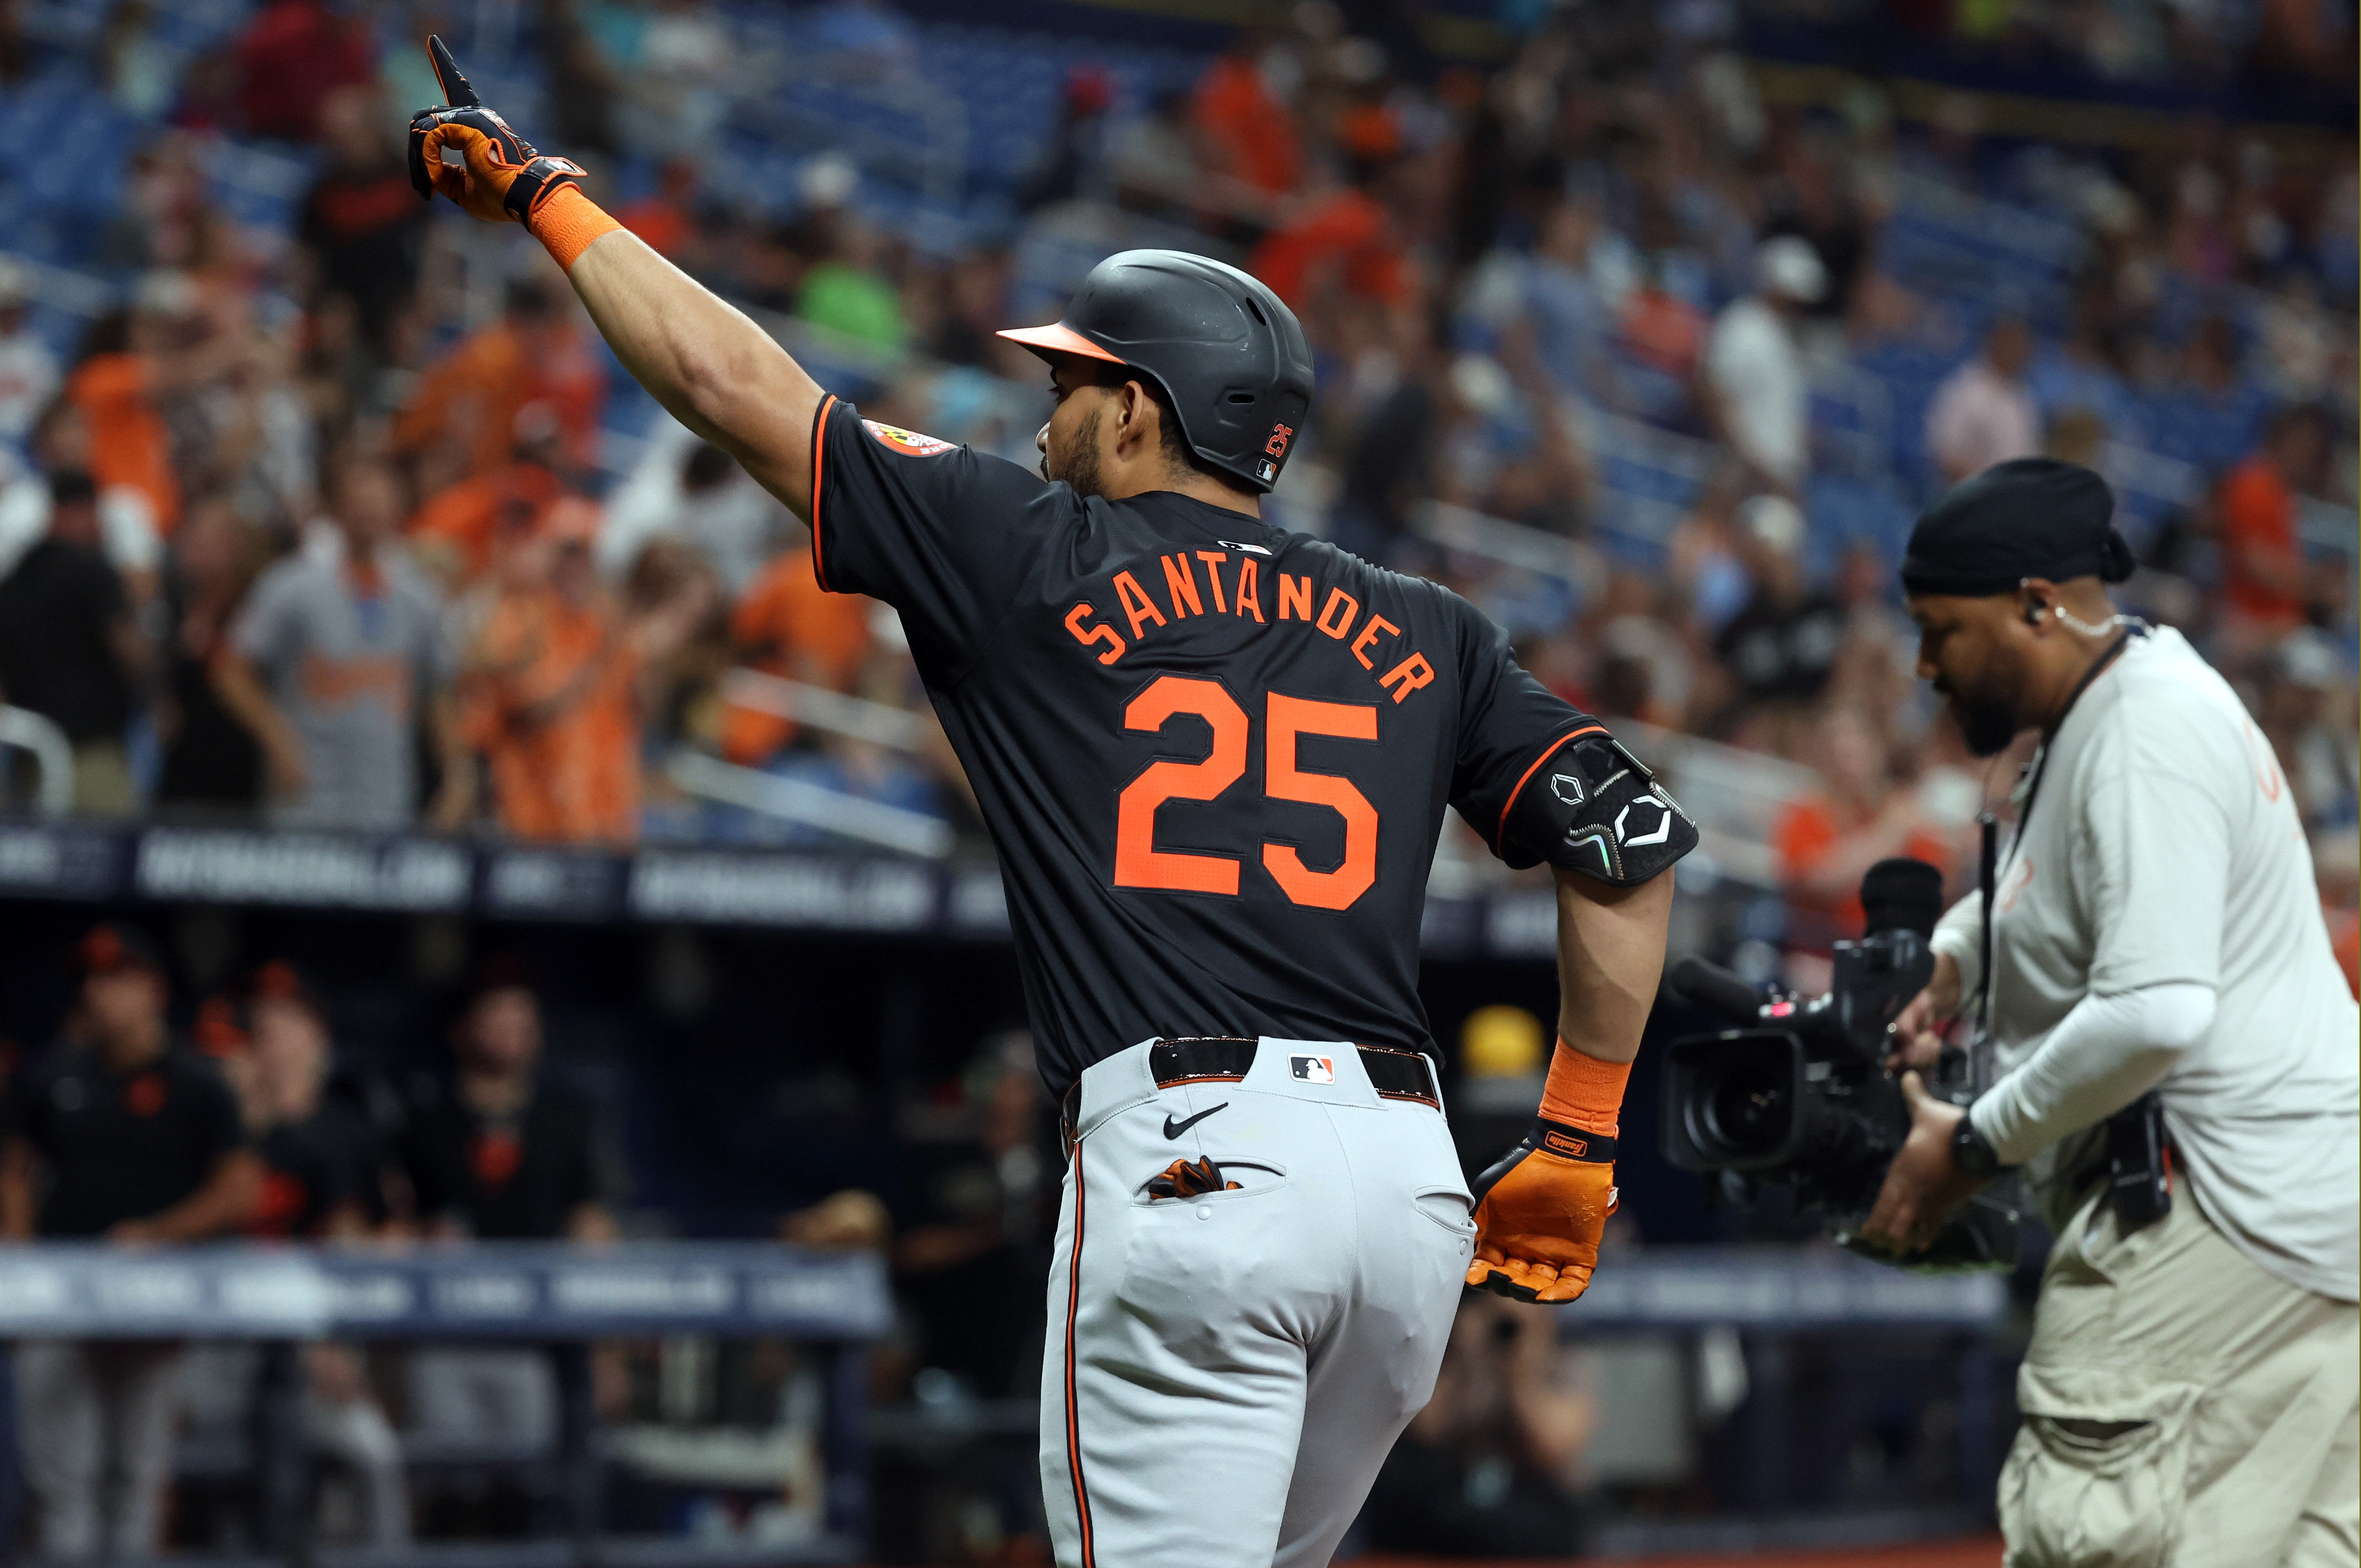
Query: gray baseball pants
[
  {"x": 96, "y": 1421},
  {"x": 1225, "y": 1374}
]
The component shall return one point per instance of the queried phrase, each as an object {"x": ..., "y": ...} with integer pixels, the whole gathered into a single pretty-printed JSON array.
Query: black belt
[{"x": 1225, "y": 1058}]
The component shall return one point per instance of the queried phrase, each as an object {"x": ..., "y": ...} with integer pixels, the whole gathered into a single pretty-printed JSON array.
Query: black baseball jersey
[
  {"x": 1214, "y": 754},
  {"x": 120, "y": 1148}
]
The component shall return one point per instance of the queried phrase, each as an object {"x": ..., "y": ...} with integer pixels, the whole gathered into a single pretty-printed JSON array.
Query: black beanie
[{"x": 2032, "y": 517}]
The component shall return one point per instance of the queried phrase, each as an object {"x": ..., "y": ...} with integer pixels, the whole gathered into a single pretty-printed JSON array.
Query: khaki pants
[{"x": 2183, "y": 1408}]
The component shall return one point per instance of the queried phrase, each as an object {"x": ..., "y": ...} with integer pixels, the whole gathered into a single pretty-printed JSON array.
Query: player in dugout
[
  {"x": 2148, "y": 962},
  {"x": 1214, "y": 756},
  {"x": 119, "y": 1132}
]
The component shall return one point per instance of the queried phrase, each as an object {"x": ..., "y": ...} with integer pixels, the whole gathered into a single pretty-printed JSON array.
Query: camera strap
[{"x": 1988, "y": 854}]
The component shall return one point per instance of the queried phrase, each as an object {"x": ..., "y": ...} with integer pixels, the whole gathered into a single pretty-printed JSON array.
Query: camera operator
[{"x": 2154, "y": 940}]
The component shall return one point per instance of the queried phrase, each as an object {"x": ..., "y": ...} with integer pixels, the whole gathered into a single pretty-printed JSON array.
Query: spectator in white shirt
[
  {"x": 683, "y": 489},
  {"x": 1983, "y": 412},
  {"x": 28, "y": 371},
  {"x": 1756, "y": 389},
  {"x": 59, "y": 443}
]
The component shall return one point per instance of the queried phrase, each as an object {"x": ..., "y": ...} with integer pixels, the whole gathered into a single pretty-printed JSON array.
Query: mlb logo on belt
[{"x": 1314, "y": 1069}]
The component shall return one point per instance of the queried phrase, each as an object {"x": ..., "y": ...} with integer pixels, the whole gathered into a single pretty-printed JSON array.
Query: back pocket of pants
[
  {"x": 2096, "y": 1476},
  {"x": 1447, "y": 1207}
]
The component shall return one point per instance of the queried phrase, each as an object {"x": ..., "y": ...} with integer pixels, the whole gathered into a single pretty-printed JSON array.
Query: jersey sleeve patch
[{"x": 908, "y": 441}]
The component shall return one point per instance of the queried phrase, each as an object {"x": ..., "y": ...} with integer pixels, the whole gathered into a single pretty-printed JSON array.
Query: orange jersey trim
[
  {"x": 819, "y": 452},
  {"x": 1500, "y": 833}
]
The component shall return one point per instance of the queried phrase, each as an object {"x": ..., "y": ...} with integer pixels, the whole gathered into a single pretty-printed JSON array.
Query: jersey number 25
[{"x": 1139, "y": 864}]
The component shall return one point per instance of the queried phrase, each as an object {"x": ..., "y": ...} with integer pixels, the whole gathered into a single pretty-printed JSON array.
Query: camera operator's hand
[
  {"x": 1917, "y": 1031},
  {"x": 1922, "y": 1187}
]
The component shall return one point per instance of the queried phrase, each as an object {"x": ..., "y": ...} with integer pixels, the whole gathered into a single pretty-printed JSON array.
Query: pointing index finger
[{"x": 456, "y": 91}]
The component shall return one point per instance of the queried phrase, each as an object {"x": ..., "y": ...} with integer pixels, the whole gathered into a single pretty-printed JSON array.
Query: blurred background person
[
  {"x": 29, "y": 368},
  {"x": 1984, "y": 411},
  {"x": 459, "y": 417},
  {"x": 2305, "y": 711},
  {"x": 1491, "y": 1467},
  {"x": 1828, "y": 839},
  {"x": 322, "y": 1166},
  {"x": 553, "y": 684},
  {"x": 320, "y": 1178},
  {"x": 972, "y": 1233},
  {"x": 496, "y": 1151},
  {"x": 213, "y": 764},
  {"x": 362, "y": 227},
  {"x": 1754, "y": 374},
  {"x": 691, "y": 490},
  {"x": 119, "y": 1132},
  {"x": 2269, "y": 588},
  {"x": 1781, "y": 647},
  {"x": 71, "y": 651},
  {"x": 336, "y": 654}
]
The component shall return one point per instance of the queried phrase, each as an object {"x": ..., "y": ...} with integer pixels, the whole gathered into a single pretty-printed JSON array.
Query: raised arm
[{"x": 700, "y": 356}]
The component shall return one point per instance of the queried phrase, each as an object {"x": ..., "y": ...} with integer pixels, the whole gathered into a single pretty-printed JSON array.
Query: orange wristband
[
  {"x": 1582, "y": 1091},
  {"x": 567, "y": 222}
]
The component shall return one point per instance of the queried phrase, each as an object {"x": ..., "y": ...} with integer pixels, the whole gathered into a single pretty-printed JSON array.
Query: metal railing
[
  {"x": 29, "y": 731},
  {"x": 810, "y": 805}
]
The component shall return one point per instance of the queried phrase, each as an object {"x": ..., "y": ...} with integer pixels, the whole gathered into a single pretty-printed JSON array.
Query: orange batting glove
[
  {"x": 497, "y": 176},
  {"x": 1539, "y": 1212}
]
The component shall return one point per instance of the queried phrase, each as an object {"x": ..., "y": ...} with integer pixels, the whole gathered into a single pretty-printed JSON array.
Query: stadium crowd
[{"x": 331, "y": 528}]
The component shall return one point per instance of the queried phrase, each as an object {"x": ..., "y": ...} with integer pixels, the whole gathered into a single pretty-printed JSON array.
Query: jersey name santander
[{"x": 1213, "y": 755}]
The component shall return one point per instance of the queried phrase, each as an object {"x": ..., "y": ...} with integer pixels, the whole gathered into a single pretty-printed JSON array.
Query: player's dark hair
[
  {"x": 1176, "y": 445},
  {"x": 1177, "y": 452}
]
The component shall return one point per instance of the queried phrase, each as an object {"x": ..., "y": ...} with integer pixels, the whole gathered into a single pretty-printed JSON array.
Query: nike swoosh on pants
[{"x": 1173, "y": 1129}]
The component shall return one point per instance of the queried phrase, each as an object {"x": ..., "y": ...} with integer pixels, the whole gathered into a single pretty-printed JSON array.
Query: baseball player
[{"x": 1214, "y": 757}]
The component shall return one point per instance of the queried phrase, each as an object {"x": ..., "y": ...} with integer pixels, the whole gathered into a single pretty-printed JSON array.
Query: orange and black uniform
[
  {"x": 311, "y": 1169},
  {"x": 1215, "y": 755},
  {"x": 118, "y": 1147},
  {"x": 506, "y": 1178}
]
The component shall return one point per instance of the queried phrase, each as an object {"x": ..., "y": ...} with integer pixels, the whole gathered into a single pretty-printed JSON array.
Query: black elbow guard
[{"x": 1592, "y": 807}]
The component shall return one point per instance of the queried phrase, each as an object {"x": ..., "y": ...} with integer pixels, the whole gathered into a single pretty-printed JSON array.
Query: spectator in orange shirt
[
  {"x": 130, "y": 362},
  {"x": 1343, "y": 237},
  {"x": 2262, "y": 572},
  {"x": 462, "y": 418},
  {"x": 664, "y": 218},
  {"x": 1826, "y": 842},
  {"x": 552, "y": 689},
  {"x": 786, "y": 625},
  {"x": 1248, "y": 126},
  {"x": 458, "y": 528}
]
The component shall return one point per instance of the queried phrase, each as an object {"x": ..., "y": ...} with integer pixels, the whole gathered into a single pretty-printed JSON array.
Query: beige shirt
[{"x": 2165, "y": 848}]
